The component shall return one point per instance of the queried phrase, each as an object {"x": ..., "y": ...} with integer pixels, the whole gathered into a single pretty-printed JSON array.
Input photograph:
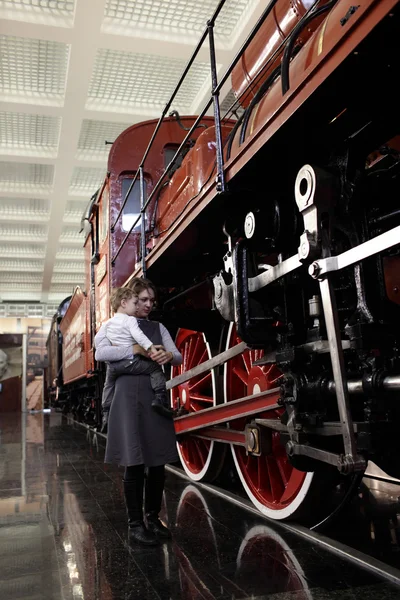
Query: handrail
[
  {"x": 214, "y": 99},
  {"x": 158, "y": 184},
  {"x": 167, "y": 106}
]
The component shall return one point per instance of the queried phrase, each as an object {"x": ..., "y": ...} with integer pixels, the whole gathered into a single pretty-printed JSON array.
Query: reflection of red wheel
[
  {"x": 201, "y": 459},
  {"x": 192, "y": 508},
  {"x": 266, "y": 560},
  {"x": 273, "y": 485}
]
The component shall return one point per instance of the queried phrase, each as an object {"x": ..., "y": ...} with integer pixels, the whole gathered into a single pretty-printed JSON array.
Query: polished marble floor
[{"x": 63, "y": 534}]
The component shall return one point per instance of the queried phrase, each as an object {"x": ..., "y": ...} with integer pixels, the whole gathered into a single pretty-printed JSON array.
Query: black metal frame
[{"x": 214, "y": 99}]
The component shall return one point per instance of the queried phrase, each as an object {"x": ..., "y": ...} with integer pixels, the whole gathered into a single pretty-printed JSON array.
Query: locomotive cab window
[
  {"x": 169, "y": 153},
  {"x": 132, "y": 207}
]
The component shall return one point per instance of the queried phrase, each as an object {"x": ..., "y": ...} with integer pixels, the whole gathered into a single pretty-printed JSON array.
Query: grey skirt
[{"x": 136, "y": 433}]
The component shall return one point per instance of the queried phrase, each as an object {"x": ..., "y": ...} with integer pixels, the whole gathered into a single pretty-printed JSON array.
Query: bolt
[
  {"x": 251, "y": 441},
  {"x": 290, "y": 448},
  {"x": 314, "y": 269},
  {"x": 304, "y": 250}
]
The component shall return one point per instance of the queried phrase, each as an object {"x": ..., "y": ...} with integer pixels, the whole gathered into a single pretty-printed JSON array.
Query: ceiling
[{"x": 74, "y": 74}]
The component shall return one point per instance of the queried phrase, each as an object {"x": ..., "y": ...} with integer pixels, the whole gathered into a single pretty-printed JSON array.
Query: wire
[
  {"x": 310, "y": 16},
  {"x": 263, "y": 89},
  {"x": 350, "y": 491}
]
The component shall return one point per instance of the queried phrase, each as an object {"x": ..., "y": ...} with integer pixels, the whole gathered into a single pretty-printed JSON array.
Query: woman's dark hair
[{"x": 139, "y": 285}]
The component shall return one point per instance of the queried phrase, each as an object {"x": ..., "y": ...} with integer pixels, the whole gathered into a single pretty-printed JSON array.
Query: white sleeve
[
  {"x": 105, "y": 351},
  {"x": 138, "y": 334},
  {"x": 100, "y": 335},
  {"x": 169, "y": 345}
]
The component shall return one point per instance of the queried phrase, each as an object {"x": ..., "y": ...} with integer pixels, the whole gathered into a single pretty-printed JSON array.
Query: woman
[{"x": 137, "y": 436}]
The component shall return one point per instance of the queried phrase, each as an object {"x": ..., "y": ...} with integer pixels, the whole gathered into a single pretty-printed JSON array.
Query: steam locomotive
[{"x": 273, "y": 238}]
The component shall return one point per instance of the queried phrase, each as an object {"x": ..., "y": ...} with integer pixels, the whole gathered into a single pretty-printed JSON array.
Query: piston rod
[{"x": 390, "y": 383}]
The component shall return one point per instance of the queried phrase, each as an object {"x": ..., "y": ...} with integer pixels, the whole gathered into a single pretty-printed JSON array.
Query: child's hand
[
  {"x": 136, "y": 349},
  {"x": 161, "y": 356},
  {"x": 152, "y": 350}
]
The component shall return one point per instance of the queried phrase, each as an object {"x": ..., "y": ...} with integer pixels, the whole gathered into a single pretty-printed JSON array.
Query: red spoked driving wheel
[
  {"x": 273, "y": 485},
  {"x": 201, "y": 459}
]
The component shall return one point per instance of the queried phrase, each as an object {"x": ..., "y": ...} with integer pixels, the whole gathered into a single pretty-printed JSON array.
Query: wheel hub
[{"x": 257, "y": 381}]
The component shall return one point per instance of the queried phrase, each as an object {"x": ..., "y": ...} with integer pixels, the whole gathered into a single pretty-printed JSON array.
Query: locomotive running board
[
  {"x": 220, "y": 359},
  {"x": 249, "y": 405}
]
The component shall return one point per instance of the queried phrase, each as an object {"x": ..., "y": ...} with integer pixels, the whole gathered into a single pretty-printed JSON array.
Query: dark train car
[
  {"x": 53, "y": 372},
  {"x": 274, "y": 241}
]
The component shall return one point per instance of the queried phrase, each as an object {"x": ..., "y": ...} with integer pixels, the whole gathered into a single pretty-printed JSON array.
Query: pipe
[{"x": 390, "y": 383}]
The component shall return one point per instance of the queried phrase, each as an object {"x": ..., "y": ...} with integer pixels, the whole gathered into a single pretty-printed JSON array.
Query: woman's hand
[
  {"x": 161, "y": 356},
  {"x": 136, "y": 349}
]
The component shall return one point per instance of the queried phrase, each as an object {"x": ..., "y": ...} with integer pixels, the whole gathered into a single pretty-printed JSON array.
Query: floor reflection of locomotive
[
  {"x": 290, "y": 281},
  {"x": 256, "y": 561}
]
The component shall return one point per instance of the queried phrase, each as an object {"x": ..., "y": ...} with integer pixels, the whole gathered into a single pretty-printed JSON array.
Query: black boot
[
  {"x": 140, "y": 534},
  {"x": 157, "y": 527},
  {"x": 160, "y": 404},
  {"x": 153, "y": 498},
  {"x": 133, "y": 489}
]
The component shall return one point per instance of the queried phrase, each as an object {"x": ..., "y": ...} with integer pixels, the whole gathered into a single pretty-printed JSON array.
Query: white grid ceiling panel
[
  {"x": 26, "y": 176},
  {"x": 64, "y": 289},
  {"x": 179, "y": 16},
  {"x": 30, "y": 278},
  {"x": 68, "y": 278},
  {"x": 85, "y": 181},
  {"x": 71, "y": 254},
  {"x": 71, "y": 235},
  {"x": 34, "y": 69},
  {"x": 50, "y": 12},
  {"x": 58, "y": 297},
  {"x": 33, "y": 266},
  {"x": 94, "y": 134},
  {"x": 230, "y": 100},
  {"x": 25, "y": 251},
  {"x": 23, "y": 233},
  {"x": 29, "y": 132},
  {"x": 61, "y": 266},
  {"x": 20, "y": 292},
  {"x": 74, "y": 211},
  {"x": 24, "y": 209},
  {"x": 142, "y": 80}
]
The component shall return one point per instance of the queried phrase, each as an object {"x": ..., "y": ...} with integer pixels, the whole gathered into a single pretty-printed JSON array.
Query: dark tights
[
  {"x": 134, "y": 471},
  {"x": 154, "y": 487}
]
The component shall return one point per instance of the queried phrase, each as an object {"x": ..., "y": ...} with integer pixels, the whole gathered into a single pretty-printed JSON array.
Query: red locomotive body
[
  {"x": 273, "y": 239},
  {"x": 73, "y": 329}
]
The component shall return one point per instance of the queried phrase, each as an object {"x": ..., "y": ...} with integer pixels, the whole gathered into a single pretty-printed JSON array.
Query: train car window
[
  {"x": 132, "y": 206},
  {"x": 169, "y": 153}
]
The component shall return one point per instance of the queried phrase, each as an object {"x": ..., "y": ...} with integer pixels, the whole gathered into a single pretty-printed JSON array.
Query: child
[{"x": 123, "y": 330}]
